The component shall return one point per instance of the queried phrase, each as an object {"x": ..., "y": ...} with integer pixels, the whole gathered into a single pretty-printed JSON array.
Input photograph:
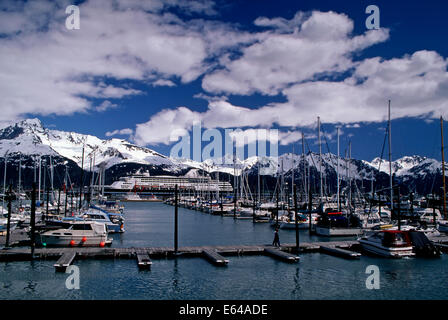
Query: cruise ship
[{"x": 146, "y": 182}]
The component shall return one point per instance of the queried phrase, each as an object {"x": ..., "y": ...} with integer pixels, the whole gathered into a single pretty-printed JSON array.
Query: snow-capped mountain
[{"x": 28, "y": 139}]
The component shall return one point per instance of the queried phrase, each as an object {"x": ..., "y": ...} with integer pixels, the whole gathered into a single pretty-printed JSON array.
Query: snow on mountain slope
[
  {"x": 29, "y": 137},
  {"x": 409, "y": 166}
]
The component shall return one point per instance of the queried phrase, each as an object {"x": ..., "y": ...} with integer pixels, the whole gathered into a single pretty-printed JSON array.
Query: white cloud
[
  {"x": 106, "y": 105},
  {"x": 323, "y": 45},
  {"x": 163, "y": 83},
  {"x": 46, "y": 69},
  {"x": 126, "y": 132},
  {"x": 417, "y": 84}
]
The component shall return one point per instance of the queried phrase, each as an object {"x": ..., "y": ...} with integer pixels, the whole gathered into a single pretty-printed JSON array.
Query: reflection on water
[{"x": 316, "y": 276}]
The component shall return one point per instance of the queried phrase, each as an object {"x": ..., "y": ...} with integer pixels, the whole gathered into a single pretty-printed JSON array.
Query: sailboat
[{"x": 333, "y": 221}]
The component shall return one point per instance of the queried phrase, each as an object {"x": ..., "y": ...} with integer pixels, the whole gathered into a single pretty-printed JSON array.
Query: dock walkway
[{"x": 215, "y": 254}]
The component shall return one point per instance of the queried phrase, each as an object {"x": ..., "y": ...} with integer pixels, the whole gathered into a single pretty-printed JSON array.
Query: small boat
[
  {"x": 288, "y": 222},
  {"x": 114, "y": 222},
  {"x": 4, "y": 224},
  {"x": 79, "y": 234},
  {"x": 134, "y": 197},
  {"x": 388, "y": 243},
  {"x": 335, "y": 223}
]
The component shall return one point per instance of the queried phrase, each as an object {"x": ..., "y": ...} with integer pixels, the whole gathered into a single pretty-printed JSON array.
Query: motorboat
[
  {"x": 289, "y": 222},
  {"x": 78, "y": 234},
  {"x": 4, "y": 224},
  {"x": 388, "y": 243},
  {"x": 114, "y": 222},
  {"x": 335, "y": 223}
]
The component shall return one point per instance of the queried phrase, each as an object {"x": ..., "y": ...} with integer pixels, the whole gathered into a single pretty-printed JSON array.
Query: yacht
[
  {"x": 335, "y": 223},
  {"x": 387, "y": 243},
  {"x": 288, "y": 222},
  {"x": 114, "y": 222},
  {"x": 78, "y": 234}
]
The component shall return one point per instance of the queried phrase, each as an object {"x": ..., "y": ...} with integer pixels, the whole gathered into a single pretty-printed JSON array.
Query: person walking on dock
[{"x": 276, "y": 241}]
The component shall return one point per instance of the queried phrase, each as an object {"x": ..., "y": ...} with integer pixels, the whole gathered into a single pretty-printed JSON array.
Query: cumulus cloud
[
  {"x": 126, "y": 132},
  {"x": 46, "y": 69},
  {"x": 320, "y": 44},
  {"x": 106, "y": 105},
  {"x": 417, "y": 85},
  {"x": 163, "y": 83}
]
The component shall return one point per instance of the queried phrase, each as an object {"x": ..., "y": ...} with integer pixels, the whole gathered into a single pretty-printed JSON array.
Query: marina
[{"x": 149, "y": 229}]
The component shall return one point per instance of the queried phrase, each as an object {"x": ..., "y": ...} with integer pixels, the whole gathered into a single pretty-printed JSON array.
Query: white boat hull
[
  {"x": 386, "y": 251},
  {"x": 337, "y": 232},
  {"x": 66, "y": 241}
]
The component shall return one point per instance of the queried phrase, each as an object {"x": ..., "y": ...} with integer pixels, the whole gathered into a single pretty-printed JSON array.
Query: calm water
[{"x": 316, "y": 276}]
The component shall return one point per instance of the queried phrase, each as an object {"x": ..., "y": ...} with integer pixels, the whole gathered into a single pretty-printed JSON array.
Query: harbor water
[{"x": 316, "y": 276}]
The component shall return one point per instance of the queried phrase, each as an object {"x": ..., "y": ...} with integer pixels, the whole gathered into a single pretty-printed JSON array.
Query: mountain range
[{"x": 26, "y": 141}]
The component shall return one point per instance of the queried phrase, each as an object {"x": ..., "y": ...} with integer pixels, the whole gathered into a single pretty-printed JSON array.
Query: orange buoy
[
  {"x": 102, "y": 244},
  {"x": 84, "y": 239},
  {"x": 72, "y": 243}
]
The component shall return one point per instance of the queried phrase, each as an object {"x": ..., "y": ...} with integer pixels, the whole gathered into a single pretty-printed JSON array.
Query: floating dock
[
  {"x": 143, "y": 260},
  {"x": 281, "y": 255},
  {"x": 65, "y": 260},
  {"x": 340, "y": 252},
  {"x": 215, "y": 258},
  {"x": 215, "y": 254}
]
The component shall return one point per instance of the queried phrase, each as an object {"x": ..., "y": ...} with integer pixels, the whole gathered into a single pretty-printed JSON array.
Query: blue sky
[{"x": 138, "y": 61}]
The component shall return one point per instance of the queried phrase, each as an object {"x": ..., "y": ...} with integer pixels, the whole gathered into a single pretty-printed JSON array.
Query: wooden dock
[
  {"x": 65, "y": 260},
  {"x": 340, "y": 252},
  {"x": 215, "y": 258},
  {"x": 281, "y": 255},
  {"x": 143, "y": 260},
  {"x": 215, "y": 254}
]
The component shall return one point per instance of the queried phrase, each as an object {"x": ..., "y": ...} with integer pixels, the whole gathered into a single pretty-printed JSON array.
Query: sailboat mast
[
  {"x": 20, "y": 174},
  {"x": 337, "y": 171},
  {"x": 292, "y": 173},
  {"x": 320, "y": 159},
  {"x": 305, "y": 189},
  {"x": 40, "y": 176},
  {"x": 390, "y": 166},
  {"x": 443, "y": 170},
  {"x": 350, "y": 175},
  {"x": 4, "y": 181}
]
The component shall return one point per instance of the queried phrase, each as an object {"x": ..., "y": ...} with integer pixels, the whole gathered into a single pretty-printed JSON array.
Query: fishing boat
[
  {"x": 388, "y": 243},
  {"x": 78, "y": 234}
]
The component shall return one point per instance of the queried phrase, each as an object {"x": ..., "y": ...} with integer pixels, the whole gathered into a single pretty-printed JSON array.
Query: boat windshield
[{"x": 81, "y": 226}]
